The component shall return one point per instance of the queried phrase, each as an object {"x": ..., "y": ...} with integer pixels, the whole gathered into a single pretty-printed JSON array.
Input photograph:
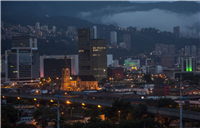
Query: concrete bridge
[{"x": 173, "y": 113}]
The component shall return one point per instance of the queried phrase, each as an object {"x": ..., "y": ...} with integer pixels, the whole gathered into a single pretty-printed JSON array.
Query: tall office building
[
  {"x": 38, "y": 25},
  {"x": 176, "y": 31},
  {"x": 127, "y": 41},
  {"x": 95, "y": 32},
  {"x": 189, "y": 64},
  {"x": 92, "y": 54},
  {"x": 1, "y": 24},
  {"x": 172, "y": 49},
  {"x": 54, "y": 28},
  {"x": 51, "y": 65},
  {"x": 22, "y": 61},
  {"x": 193, "y": 50},
  {"x": 187, "y": 50},
  {"x": 113, "y": 38},
  {"x": 158, "y": 49}
]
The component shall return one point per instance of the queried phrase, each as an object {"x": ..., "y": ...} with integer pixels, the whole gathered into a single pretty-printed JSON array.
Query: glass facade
[
  {"x": 12, "y": 66},
  {"x": 53, "y": 67},
  {"x": 25, "y": 62}
]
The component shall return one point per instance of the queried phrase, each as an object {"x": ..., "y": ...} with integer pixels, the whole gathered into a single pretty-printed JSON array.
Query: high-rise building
[
  {"x": 172, "y": 49},
  {"x": 38, "y": 25},
  {"x": 193, "y": 50},
  {"x": 1, "y": 24},
  {"x": 92, "y": 54},
  {"x": 113, "y": 38},
  {"x": 176, "y": 31},
  {"x": 24, "y": 41},
  {"x": 54, "y": 28},
  {"x": 22, "y": 61},
  {"x": 51, "y": 65},
  {"x": 167, "y": 61},
  {"x": 37, "y": 28},
  {"x": 187, "y": 50},
  {"x": 189, "y": 64},
  {"x": 165, "y": 48},
  {"x": 127, "y": 41},
  {"x": 158, "y": 49},
  {"x": 95, "y": 32}
]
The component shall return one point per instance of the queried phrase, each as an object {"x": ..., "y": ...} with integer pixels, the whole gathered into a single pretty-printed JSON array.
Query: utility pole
[
  {"x": 58, "y": 119},
  {"x": 180, "y": 100}
]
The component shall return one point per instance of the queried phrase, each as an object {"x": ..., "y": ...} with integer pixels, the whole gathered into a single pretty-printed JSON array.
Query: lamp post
[
  {"x": 58, "y": 120},
  {"x": 119, "y": 115},
  {"x": 180, "y": 100}
]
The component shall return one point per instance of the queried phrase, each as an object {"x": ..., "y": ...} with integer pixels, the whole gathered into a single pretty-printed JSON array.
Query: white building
[
  {"x": 95, "y": 32},
  {"x": 54, "y": 28},
  {"x": 115, "y": 63},
  {"x": 1, "y": 24},
  {"x": 193, "y": 50},
  {"x": 113, "y": 37},
  {"x": 38, "y": 25},
  {"x": 187, "y": 50}
]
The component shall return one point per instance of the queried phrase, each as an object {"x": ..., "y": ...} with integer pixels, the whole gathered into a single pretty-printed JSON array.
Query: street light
[
  {"x": 18, "y": 98},
  {"x": 35, "y": 99},
  {"x": 99, "y": 106},
  {"x": 83, "y": 104},
  {"x": 119, "y": 115}
]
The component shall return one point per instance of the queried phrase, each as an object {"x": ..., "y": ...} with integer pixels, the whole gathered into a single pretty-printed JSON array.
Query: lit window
[{"x": 80, "y": 50}]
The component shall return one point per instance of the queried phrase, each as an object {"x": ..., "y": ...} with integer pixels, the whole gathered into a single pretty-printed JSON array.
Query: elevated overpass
[{"x": 172, "y": 113}]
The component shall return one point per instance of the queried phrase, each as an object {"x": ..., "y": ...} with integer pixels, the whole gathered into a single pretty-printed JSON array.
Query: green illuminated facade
[{"x": 189, "y": 64}]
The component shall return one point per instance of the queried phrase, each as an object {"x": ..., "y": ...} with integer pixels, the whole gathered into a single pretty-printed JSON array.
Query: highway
[{"x": 173, "y": 113}]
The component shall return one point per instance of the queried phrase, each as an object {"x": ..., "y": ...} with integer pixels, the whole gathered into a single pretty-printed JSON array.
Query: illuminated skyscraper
[
  {"x": 22, "y": 61},
  {"x": 92, "y": 54}
]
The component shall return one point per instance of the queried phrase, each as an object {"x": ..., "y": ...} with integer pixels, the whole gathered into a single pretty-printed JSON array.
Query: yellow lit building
[{"x": 76, "y": 82}]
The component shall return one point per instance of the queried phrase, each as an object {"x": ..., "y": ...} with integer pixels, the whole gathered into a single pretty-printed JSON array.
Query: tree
[
  {"x": 147, "y": 78},
  {"x": 167, "y": 103},
  {"x": 118, "y": 107},
  {"x": 127, "y": 124},
  {"x": 42, "y": 115},
  {"x": 24, "y": 125},
  {"x": 139, "y": 112},
  {"x": 100, "y": 124},
  {"x": 9, "y": 114}
]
